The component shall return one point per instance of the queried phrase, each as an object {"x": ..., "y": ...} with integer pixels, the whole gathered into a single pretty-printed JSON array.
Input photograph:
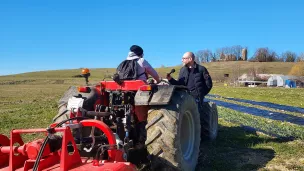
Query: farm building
[
  {"x": 283, "y": 81},
  {"x": 299, "y": 82},
  {"x": 258, "y": 79}
]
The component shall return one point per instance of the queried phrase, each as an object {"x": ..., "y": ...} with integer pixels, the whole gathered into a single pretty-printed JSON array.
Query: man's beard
[{"x": 187, "y": 64}]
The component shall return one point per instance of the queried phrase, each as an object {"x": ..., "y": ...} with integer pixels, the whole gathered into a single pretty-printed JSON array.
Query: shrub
[{"x": 297, "y": 69}]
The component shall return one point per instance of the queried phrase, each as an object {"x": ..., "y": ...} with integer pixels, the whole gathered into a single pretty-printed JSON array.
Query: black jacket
[{"x": 203, "y": 81}]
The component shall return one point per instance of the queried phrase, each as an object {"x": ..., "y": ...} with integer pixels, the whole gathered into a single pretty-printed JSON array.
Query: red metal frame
[
  {"x": 68, "y": 160},
  {"x": 15, "y": 161},
  {"x": 61, "y": 160},
  {"x": 4, "y": 157},
  {"x": 103, "y": 127}
]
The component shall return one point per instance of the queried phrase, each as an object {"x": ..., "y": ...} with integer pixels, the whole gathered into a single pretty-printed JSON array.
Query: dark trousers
[{"x": 200, "y": 107}]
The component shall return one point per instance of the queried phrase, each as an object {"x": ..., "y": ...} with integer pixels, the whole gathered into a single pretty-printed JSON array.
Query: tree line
[{"x": 239, "y": 53}]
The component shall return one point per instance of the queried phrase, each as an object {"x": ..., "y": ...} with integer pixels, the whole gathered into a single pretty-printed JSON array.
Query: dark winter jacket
[{"x": 203, "y": 81}]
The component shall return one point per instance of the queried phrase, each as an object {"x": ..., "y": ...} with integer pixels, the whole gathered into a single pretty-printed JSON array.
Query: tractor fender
[
  {"x": 89, "y": 98},
  {"x": 159, "y": 95},
  {"x": 88, "y": 104}
]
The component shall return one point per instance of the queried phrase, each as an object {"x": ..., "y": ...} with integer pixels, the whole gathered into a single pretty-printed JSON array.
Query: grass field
[
  {"x": 30, "y": 101},
  {"x": 293, "y": 97}
]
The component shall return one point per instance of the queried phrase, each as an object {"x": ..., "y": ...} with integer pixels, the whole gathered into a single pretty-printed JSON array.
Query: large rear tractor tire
[
  {"x": 88, "y": 104},
  {"x": 209, "y": 121},
  {"x": 173, "y": 133}
]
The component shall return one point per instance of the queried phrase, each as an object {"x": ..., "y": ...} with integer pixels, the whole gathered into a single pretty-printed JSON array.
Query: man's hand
[
  {"x": 154, "y": 80},
  {"x": 169, "y": 76},
  {"x": 158, "y": 80}
]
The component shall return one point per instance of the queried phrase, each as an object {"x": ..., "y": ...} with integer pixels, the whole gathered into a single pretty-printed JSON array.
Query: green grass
[
  {"x": 237, "y": 150},
  {"x": 28, "y": 106},
  {"x": 284, "y": 96},
  {"x": 278, "y": 128}
]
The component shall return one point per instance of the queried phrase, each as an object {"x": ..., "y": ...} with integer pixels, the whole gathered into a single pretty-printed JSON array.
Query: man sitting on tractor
[
  {"x": 135, "y": 67},
  {"x": 143, "y": 68}
]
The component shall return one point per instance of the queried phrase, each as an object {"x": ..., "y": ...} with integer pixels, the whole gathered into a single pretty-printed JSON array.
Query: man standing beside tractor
[
  {"x": 196, "y": 77},
  {"x": 199, "y": 83}
]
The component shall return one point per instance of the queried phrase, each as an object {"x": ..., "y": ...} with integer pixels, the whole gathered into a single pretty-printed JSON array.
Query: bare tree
[
  {"x": 252, "y": 72},
  {"x": 197, "y": 58},
  {"x": 280, "y": 59},
  {"x": 261, "y": 54},
  {"x": 272, "y": 57},
  {"x": 231, "y": 53},
  {"x": 219, "y": 53},
  {"x": 265, "y": 55},
  {"x": 301, "y": 57},
  {"x": 289, "y": 56},
  {"x": 236, "y": 71},
  {"x": 199, "y": 54},
  {"x": 214, "y": 58},
  {"x": 237, "y": 51},
  {"x": 204, "y": 55}
]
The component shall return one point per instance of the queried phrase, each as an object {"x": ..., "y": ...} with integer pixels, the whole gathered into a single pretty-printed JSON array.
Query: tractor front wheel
[{"x": 173, "y": 133}]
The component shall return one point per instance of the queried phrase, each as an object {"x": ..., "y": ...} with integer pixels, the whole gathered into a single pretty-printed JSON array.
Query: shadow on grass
[{"x": 232, "y": 151}]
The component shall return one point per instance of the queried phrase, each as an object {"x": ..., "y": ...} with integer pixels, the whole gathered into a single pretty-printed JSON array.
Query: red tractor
[{"x": 97, "y": 128}]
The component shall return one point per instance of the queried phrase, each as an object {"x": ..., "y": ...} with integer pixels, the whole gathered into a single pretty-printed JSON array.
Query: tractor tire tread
[{"x": 163, "y": 133}]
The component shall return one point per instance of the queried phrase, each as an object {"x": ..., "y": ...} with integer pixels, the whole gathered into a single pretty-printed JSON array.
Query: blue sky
[{"x": 53, "y": 34}]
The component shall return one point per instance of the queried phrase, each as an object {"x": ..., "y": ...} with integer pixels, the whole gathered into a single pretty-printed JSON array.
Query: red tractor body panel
[{"x": 132, "y": 85}]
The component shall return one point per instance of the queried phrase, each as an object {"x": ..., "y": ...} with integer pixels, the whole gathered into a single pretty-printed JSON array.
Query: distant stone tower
[{"x": 244, "y": 54}]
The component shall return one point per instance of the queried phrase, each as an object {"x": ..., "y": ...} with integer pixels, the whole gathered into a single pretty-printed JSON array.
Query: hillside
[
  {"x": 249, "y": 133},
  {"x": 237, "y": 68},
  {"x": 216, "y": 69}
]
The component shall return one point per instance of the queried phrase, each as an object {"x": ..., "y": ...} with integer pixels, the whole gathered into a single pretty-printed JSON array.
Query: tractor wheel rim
[{"x": 187, "y": 137}]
